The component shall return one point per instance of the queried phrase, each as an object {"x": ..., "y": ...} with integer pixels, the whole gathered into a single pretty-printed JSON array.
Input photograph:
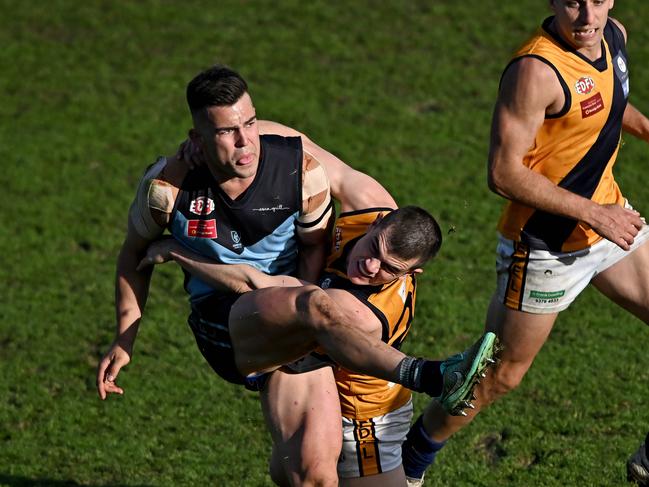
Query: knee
[
  {"x": 505, "y": 378},
  {"x": 319, "y": 474},
  {"x": 304, "y": 466},
  {"x": 309, "y": 474},
  {"x": 314, "y": 307}
]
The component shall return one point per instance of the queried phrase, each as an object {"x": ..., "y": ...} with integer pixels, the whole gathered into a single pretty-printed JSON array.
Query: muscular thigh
[
  {"x": 627, "y": 282},
  {"x": 267, "y": 329},
  {"x": 302, "y": 412}
]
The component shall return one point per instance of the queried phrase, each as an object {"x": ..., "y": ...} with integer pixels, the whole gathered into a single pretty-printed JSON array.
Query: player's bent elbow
[{"x": 497, "y": 183}]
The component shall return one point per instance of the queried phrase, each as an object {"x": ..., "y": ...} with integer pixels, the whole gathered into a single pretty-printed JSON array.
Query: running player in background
[{"x": 556, "y": 132}]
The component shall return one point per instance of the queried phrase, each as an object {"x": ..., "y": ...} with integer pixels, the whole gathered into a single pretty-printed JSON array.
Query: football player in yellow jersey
[
  {"x": 369, "y": 284},
  {"x": 555, "y": 135}
]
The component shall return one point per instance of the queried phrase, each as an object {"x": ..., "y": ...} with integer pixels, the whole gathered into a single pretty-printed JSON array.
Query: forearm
[
  {"x": 237, "y": 278},
  {"x": 131, "y": 291},
  {"x": 535, "y": 190},
  {"x": 635, "y": 123},
  {"x": 311, "y": 261}
]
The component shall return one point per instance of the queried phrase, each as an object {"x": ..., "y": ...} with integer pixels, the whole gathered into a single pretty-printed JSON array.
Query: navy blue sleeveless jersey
[{"x": 257, "y": 229}]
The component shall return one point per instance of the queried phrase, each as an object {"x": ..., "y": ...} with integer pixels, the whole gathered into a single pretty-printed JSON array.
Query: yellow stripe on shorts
[
  {"x": 367, "y": 448},
  {"x": 517, "y": 271}
]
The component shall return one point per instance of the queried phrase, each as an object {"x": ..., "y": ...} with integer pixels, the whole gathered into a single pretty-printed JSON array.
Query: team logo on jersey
[
  {"x": 202, "y": 205},
  {"x": 236, "y": 239},
  {"x": 584, "y": 85},
  {"x": 201, "y": 228},
  {"x": 621, "y": 64},
  {"x": 325, "y": 283},
  {"x": 591, "y": 106}
]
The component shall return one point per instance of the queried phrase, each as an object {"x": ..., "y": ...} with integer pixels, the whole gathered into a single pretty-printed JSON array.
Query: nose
[
  {"x": 240, "y": 138},
  {"x": 587, "y": 13}
]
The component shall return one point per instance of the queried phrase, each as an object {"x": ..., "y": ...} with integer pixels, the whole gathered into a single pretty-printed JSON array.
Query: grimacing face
[
  {"x": 370, "y": 263},
  {"x": 229, "y": 138},
  {"x": 581, "y": 23}
]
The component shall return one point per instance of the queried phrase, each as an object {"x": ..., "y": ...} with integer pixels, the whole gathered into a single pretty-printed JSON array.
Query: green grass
[{"x": 93, "y": 91}]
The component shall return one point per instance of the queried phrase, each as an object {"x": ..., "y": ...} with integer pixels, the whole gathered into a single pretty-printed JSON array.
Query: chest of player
[
  {"x": 206, "y": 214},
  {"x": 261, "y": 220},
  {"x": 597, "y": 91}
]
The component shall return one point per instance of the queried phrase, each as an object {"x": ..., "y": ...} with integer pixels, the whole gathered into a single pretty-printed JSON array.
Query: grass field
[{"x": 93, "y": 91}]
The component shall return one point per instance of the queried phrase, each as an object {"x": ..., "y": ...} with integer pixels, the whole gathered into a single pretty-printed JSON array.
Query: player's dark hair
[
  {"x": 412, "y": 233},
  {"x": 217, "y": 86}
]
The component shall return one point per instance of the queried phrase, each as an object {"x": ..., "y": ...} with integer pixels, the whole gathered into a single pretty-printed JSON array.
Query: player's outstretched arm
[
  {"x": 131, "y": 290},
  {"x": 237, "y": 278},
  {"x": 148, "y": 215}
]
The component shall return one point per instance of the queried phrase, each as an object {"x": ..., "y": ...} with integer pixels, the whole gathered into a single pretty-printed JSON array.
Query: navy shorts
[{"x": 209, "y": 321}]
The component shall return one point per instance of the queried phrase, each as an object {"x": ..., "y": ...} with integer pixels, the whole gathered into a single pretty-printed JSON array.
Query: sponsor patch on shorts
[{"x": 547, "y": 296}]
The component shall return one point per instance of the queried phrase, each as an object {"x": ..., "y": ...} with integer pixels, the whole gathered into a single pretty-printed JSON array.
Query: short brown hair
[{"x": 412, "y": 233}]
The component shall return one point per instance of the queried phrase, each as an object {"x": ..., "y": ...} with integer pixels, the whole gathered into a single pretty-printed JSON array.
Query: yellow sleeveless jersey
[
  {"x": 362, "y": 396},
  {"x": 577, "y": 147}
]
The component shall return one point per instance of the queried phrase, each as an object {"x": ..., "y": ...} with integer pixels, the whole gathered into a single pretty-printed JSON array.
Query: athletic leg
[
  {"x": 627, "y": 282},
  {"x": 302, "y": 412},
  {"x": 274, "y": 326},
  {"x": 522, "y": 335}
]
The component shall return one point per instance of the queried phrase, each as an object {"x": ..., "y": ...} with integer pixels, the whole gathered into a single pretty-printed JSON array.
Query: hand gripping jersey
[
  {"x": 362, "y": 396},
  {"x": 257, "y": 229},
  {"x": 577, "y": 147}
]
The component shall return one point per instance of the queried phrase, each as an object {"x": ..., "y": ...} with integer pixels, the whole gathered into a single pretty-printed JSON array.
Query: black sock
[{"x": 421, "y": 375}]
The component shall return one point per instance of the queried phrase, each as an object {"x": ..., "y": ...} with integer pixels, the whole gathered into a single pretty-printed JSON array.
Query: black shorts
[{"x": 209, "y": 320}]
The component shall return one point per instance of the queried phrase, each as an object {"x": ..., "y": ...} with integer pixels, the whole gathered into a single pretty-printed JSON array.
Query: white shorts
[
  {"x": 373, "y": 446},
  {"x": 540, "y": 281}
]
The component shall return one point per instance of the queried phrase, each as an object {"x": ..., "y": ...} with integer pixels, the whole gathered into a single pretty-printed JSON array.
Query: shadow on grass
[{"x": 15, "y": 481}]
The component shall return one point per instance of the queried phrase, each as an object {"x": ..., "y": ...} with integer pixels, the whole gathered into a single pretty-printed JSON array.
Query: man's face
[
  {"x": 581, "y": 23},
  {"x": 229, "y": 138},
  {"x": 370, "y": 262}
]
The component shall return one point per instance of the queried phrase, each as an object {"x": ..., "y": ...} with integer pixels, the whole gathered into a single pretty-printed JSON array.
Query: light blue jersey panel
[{"x": 275, "y": 254}]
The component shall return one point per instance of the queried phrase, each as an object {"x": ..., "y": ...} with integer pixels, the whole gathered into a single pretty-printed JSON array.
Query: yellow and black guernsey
[
  {"x": 362, "y": 396},
  {"x": 577, "y": 147}
]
